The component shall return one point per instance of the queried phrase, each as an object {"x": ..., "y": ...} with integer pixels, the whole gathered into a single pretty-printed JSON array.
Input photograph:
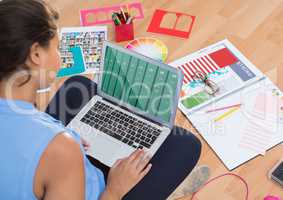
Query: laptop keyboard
[{"x": 121, "y": 126}]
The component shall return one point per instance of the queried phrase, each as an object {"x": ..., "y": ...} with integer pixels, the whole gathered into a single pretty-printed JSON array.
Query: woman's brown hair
[{"x": 23, "y": 23}]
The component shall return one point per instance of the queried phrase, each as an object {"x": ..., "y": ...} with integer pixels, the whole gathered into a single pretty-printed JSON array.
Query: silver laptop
[{"x": 135, "y": 105}]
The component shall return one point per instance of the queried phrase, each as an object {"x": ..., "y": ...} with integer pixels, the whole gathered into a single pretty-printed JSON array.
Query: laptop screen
[{"x": 141, "y": 83}]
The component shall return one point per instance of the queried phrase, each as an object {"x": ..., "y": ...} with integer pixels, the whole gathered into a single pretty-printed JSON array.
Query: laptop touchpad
[{"x": 106, "y": 149}]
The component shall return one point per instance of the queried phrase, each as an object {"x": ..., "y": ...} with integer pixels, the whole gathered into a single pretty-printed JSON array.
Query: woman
[{"x": 40, "y": 158}]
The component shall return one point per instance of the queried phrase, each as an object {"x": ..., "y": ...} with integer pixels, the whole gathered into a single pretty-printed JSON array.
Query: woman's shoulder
[
  {"x": 61, "y": 158},
  {"x": 39, "y": 122},
  {"x": 37, "y": 127},
  {"x": 63, "y": 149}
]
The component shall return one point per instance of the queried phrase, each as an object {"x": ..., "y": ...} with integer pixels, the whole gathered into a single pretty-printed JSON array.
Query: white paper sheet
[
  {"x": 247, "y": 132},
  {"x": 254, "y": 128}
]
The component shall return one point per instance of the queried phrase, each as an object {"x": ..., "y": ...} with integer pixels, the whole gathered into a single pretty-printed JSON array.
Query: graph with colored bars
[{"x": 207, "y": 63}]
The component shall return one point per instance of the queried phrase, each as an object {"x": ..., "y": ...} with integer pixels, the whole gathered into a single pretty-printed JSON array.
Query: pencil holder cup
[{"x": 124, "y": 32}]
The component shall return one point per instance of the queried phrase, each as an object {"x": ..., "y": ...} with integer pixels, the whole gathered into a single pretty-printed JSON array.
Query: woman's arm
[
  {"x": 106, "y": 195},
  {"x": 60, "y": 174}
]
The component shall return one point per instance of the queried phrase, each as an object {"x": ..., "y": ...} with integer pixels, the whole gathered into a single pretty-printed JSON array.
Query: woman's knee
[
  {"x": 77, "y": 79},
  {"x": 196, "y": 145},
  {"x": 81, "y": 86},
  {"x": 189, "y": 141}
]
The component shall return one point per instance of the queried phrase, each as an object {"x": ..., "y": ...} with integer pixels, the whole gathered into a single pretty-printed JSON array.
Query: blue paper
[
  {"x": 242, "y": 71},
  {"x": 78, "y": 67}
]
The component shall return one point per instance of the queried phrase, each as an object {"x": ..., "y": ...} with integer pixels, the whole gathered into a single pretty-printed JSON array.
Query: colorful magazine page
[
  {"x": 90, "y": 40},
  {"x": 223, "y": 65}
]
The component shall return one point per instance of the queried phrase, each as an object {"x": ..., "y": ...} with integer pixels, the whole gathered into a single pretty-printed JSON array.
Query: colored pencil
[
  {"x": 226, "y": 114},
  {"x": 123, "y": 13},
  {"x": 223, "y": 108}
]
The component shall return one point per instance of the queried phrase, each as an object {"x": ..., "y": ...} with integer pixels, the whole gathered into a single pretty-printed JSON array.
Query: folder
[
  {"x": 129, "y": 79},
  {"x": 135, "y": 89},
  {"x": 164, "y": 109},
  {"x": 147, "y": 86},
  {"x": 108, "y": 64},
  {"x": 157, "y": 91},
  {"x": 115, "y": 73}
]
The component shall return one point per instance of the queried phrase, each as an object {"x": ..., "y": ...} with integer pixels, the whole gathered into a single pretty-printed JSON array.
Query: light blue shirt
[{"x": 25, "y": 133}]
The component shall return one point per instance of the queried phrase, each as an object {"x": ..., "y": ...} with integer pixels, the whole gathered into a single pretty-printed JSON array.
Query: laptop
[{"x": 135, "y": 105}]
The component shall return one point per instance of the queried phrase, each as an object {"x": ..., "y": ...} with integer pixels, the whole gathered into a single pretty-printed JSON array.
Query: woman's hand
[{"x": 127, "y": 172}]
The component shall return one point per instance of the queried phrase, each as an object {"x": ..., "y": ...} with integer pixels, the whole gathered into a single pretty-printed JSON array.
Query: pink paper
[
  {"x": 106, "y": 13},
  {"x": 267, "y": 103},
  {"x": 258, "y": 134}
]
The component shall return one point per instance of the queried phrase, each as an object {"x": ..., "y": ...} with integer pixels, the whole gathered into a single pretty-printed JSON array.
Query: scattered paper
[
  {"x": 78, "y": 66},
  {"x": 172, "y": 23},
  {"x": 90, "y": 17},
  {"x": 263, "y": 122},
  {"x": 90, "y": 40},
  {"x": 222, "y": 64}
]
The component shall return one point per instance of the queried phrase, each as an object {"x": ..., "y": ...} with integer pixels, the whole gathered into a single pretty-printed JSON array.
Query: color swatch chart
[
  {"x": 149, "y": 47},
  {"x": 91, "y": 44},
  {"x": 143, "y": 85}
]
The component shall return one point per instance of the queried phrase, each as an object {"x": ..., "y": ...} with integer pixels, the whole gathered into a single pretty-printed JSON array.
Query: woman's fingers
[
  {"x": 117, "y": 163},
  {"x": 145, "y": 171},
  {"x": 136, "y": 154},
  {"x": 138, "y": 161},
  {"x": 143, "y": 162},
  {"x": 138, "y": 158}
]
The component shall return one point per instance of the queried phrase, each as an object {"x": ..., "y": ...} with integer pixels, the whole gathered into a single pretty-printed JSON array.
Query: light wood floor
[{"x": 255, "y": 27}]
